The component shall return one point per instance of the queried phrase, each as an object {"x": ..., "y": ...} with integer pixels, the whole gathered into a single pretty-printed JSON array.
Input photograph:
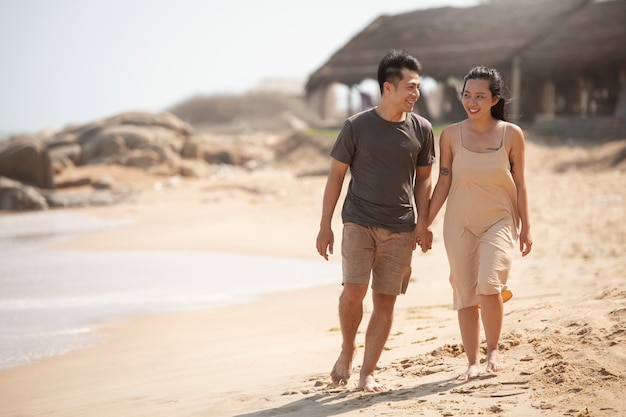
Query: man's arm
[
  {"x": 334, "y": 183},
  {"x": 422, "y": 191}
]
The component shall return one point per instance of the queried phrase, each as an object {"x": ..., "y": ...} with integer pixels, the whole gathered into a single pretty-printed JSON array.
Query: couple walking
[{"x": 390, "y": 206}]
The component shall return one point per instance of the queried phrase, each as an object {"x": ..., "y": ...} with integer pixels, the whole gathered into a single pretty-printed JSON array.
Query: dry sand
[{"x": 563, "y": 341}]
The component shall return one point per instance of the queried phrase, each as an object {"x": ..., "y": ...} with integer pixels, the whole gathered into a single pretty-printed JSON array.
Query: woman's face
[{"x": 477, "y": 98}]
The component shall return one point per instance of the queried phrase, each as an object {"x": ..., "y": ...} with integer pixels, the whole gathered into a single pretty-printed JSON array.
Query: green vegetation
[
  {"x": 437, "y": 130},
  {"x": 325, "y": 133}
]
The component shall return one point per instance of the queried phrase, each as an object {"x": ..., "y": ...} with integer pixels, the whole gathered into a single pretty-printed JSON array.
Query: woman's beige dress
[{"x": 480, "y": 224}]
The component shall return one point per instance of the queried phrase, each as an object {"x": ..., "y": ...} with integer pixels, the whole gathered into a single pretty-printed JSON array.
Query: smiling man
[{"x": 389, "y": 151}]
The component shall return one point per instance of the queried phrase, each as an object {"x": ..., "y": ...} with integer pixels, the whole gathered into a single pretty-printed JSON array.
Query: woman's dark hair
[
  {"x": 390, "y": 67},
  {"x": 496, "y": 86}
]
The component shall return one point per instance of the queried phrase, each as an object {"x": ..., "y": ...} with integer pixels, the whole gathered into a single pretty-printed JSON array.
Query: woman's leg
[
  {"x": 469, "y": 323},
  {"x": 491, "y": 313}
]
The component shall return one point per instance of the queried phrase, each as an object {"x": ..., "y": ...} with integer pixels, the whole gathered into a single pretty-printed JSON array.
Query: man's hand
[
  {"x": 423, "y": 237},
  {"x": 325, "y": 242}
]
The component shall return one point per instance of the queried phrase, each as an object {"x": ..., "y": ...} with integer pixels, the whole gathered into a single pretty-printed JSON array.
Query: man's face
[{"x": 406, "y": 92}]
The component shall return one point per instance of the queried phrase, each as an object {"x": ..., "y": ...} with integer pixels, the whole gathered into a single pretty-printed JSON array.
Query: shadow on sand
[{"x": 330, "y": 404}]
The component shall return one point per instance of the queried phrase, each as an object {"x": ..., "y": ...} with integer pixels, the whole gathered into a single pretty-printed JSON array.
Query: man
[{"x": 390, "y": 151}]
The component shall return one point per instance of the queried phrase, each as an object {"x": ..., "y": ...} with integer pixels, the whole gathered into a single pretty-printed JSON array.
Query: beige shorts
[{"x": 381, "y": 254}]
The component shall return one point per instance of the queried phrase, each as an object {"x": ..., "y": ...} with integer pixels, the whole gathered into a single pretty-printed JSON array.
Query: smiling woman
[{"x": 482, "y": 176}]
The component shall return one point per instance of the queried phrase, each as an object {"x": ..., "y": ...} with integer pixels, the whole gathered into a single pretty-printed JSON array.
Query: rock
[
  {"x": 140, "y": 158},
  {"x": 191, "y": 150},
  {"x": 60, "y": 164},
  {"x": 64, "y": 156},
  {"x": 106, "y": 139},
  {"x": 166, "y": 120},
  {"x": 99, "y": 198},
  {"x": 16, "y": 196},
  {"x": 113, "y": 146},
  {"x": 26, "y": 159},
  {"x": 77, "y": 182},
  {"x": 105, "y": 182},
  {"x": 104, "y": 144},
  {"x": 193, "y": 168},
  {"x": 71, "y": 151}
]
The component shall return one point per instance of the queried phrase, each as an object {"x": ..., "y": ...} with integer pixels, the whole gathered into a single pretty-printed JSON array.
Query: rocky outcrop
[
  {"x": 17, "y": 196},
  {"x": 26, "y": 159},
  {"x": 143, "y": 140},
  {"x": 160, "y": 144},
  {"x": 135, "y": 139}
]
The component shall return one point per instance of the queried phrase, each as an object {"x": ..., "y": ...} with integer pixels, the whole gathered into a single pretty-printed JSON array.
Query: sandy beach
[{"x": 563, "y": 341}]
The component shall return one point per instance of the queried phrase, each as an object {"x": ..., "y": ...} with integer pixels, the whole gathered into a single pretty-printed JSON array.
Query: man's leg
[
  {"x": 377, "y": 333},
  {"x": 350, "y": 315}
]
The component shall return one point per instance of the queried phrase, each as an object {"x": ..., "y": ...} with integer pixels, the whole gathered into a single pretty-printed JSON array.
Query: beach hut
[{"x": 564, "y": 61}]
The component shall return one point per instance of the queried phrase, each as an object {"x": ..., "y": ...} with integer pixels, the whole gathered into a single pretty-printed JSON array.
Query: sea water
[{"x": 51, "y": 301}]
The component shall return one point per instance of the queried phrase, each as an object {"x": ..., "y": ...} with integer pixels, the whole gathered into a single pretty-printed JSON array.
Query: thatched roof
[
  {"x": 546, "y": 35},
  {"x": 594, "y": 36}
]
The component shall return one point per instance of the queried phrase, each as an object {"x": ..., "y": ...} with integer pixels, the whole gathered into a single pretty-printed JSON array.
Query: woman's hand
[{"x": 525, "y": 242}]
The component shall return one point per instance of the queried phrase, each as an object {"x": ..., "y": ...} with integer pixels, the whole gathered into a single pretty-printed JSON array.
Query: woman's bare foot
[
  {"x": 473, "y": 371},
  {"x": 493, "y": 362},
  {"x": 369, "y": 384},
  {"x": 343, "y": 368}
]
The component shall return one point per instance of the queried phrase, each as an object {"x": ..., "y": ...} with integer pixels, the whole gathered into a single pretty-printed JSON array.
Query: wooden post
[
  {"x": 516, "y": 89},
  {"x": 350, "y": 101},
  {"x": 548, "y": 100}
]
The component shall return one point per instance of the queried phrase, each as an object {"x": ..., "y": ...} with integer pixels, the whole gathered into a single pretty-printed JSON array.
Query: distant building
[
  {"x": 285, "y": 86},
  {"x": 564, "y": 61}
]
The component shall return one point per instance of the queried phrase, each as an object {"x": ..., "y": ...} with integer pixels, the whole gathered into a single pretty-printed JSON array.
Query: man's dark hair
[{"x": 390, "y": 67}]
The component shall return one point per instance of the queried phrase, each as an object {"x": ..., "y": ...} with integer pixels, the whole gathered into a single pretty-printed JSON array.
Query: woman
[{"x": 482, "y": 176}]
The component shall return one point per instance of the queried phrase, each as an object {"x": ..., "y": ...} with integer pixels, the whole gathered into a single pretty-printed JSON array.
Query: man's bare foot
[
  {"x": 343, "y": 368},
  {"x": 473, "y": 371},
  {"x": 369, "y": 384},
  {"x": 493, "y": 362}
]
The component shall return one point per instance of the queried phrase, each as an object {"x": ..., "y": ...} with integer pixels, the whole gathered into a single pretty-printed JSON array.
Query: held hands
[{"x": 423, "y": 237}]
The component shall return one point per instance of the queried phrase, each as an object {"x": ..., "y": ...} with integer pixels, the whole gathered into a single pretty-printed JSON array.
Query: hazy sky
[{"x": 74, "y": 61}]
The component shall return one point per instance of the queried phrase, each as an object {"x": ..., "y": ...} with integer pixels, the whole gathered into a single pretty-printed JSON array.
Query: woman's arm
[
  {"x": 445, "y": 174},
  {"x": 517, "y": 158}
]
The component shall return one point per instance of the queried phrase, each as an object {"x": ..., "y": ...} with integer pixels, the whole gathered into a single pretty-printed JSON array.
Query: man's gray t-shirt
[{"x": 383, "y": 157}]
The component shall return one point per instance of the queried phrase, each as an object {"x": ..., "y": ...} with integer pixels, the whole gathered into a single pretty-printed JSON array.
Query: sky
[{"x": 74, "y": 61}]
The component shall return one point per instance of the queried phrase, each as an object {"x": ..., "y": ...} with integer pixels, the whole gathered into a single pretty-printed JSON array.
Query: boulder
[
  {"x": 106, "y": 143},
  {"x": 103, "y": 182},
  {"x": 193, "y": 168},
  {"x": 104, "y": 140},
  {"x": 16, "y": 196},
  {"x": 165, "y": 120},
  {"x": 72, "y": 183},
  {"x": 191, "y": 150},
  {"x": 98, "y": 198},
  {"x": 26, "y": 159},
  {"x": 64, "y": 156},
  {"x": 140, "y": 158}
]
